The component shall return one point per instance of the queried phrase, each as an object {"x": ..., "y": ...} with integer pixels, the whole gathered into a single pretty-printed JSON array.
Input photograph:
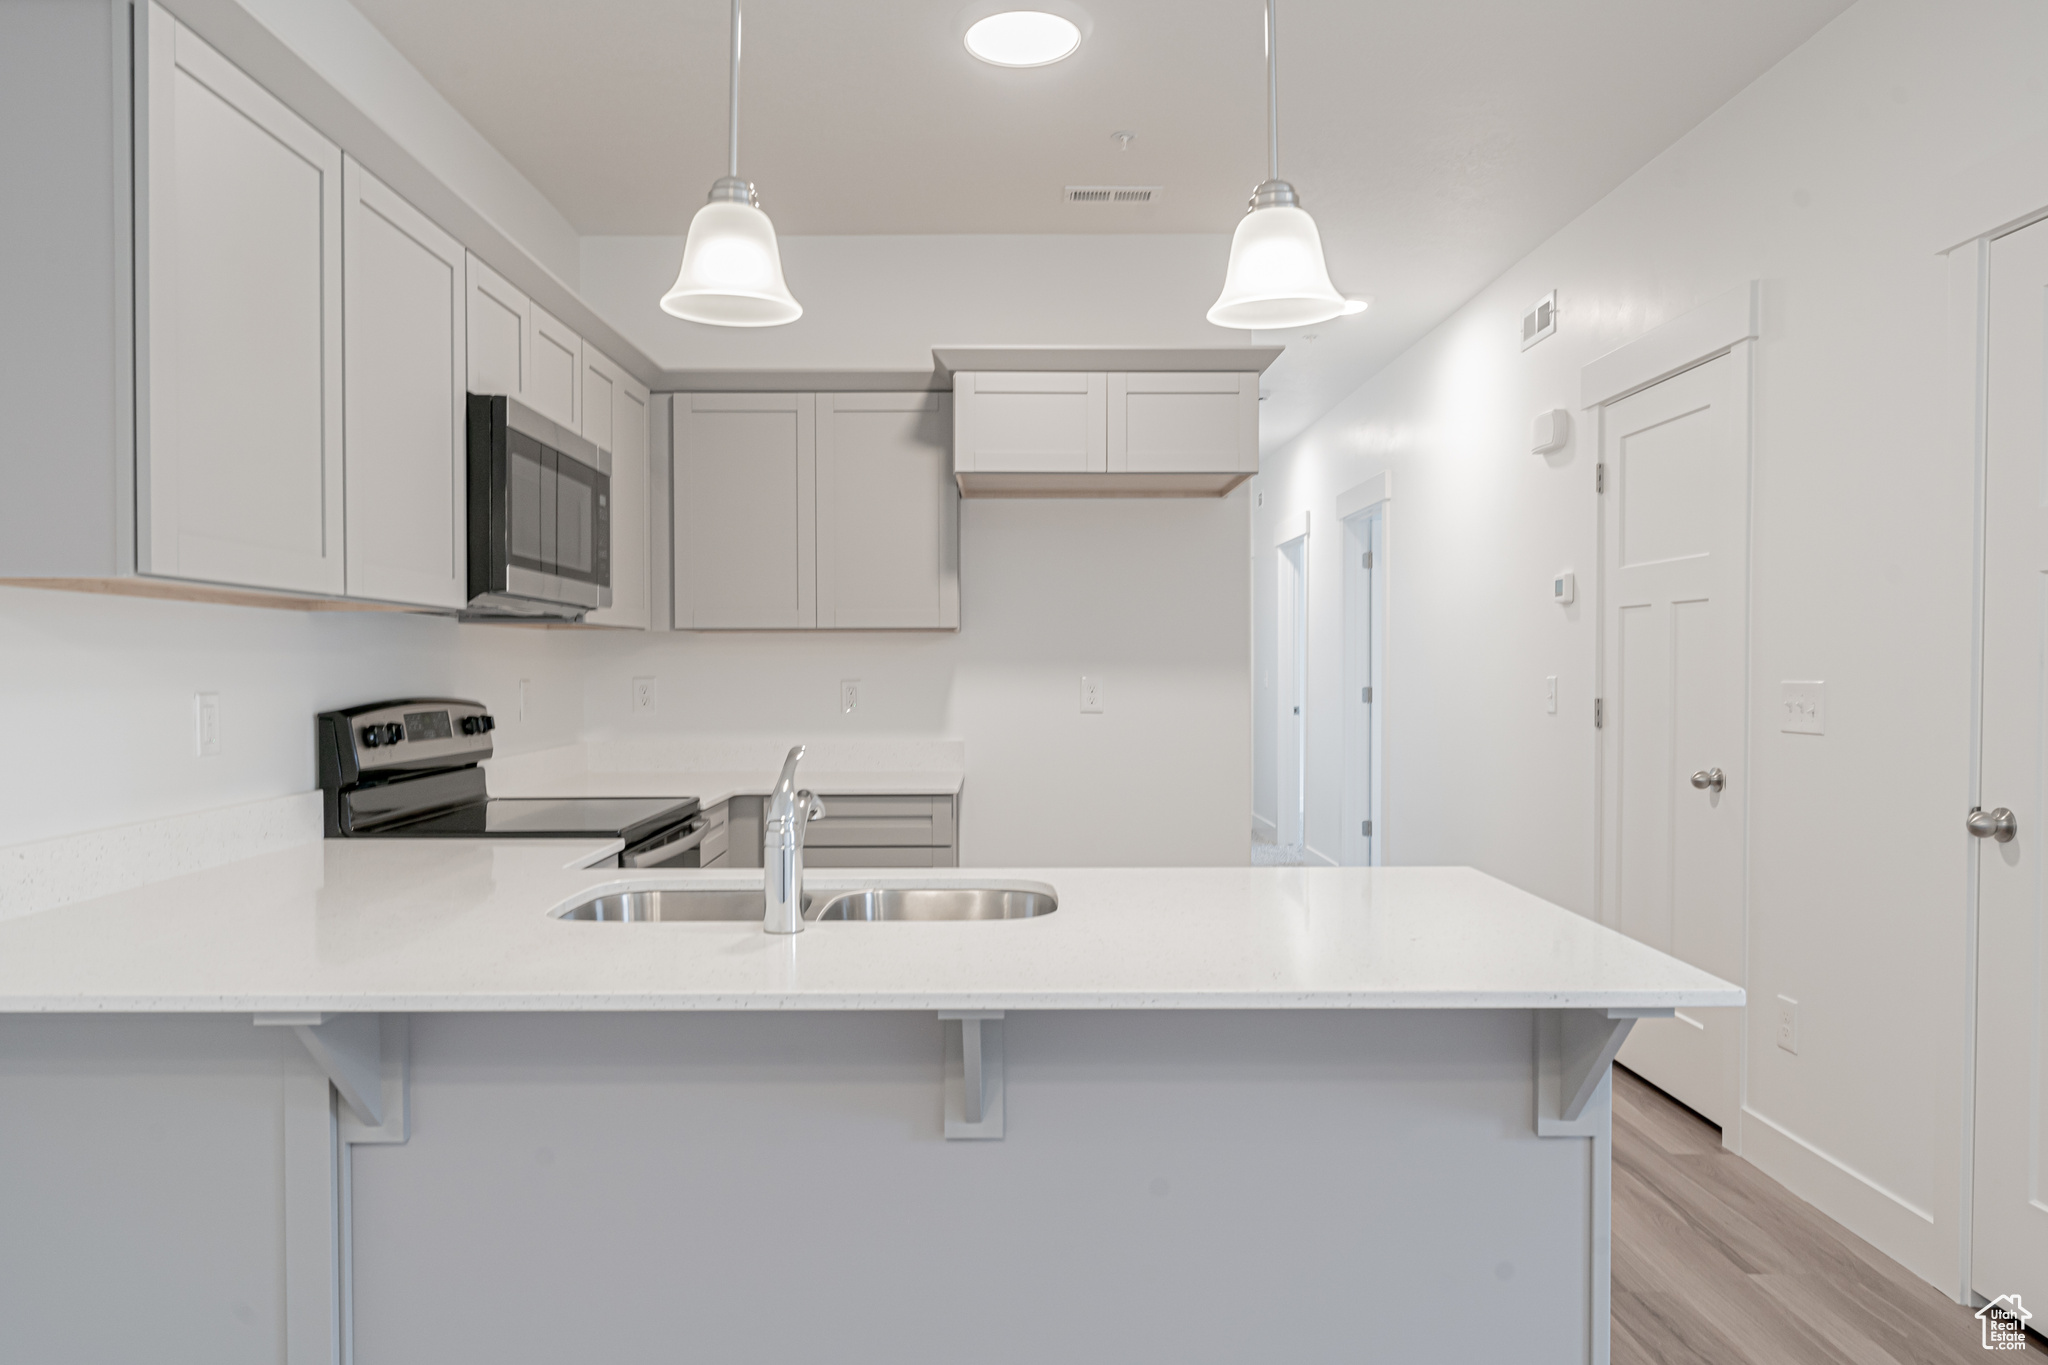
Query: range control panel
[{"x": 426, "y": 732}]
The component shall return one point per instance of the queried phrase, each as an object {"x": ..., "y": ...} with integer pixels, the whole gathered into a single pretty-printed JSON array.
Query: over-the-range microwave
[{"x": 540, "y": 520}]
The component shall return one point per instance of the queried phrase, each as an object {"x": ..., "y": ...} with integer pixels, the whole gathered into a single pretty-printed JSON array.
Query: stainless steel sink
[
  {"x": 630, "y": 907},
  {"x": 934, "y": 903},
  {"x": 928, "y": 903}
]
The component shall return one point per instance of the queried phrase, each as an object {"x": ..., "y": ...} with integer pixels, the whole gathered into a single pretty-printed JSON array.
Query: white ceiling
[{"x": 1436, "y": 141}]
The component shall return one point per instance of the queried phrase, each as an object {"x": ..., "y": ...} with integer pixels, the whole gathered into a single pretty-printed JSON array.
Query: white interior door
[
  {"x": 2009, "y": 1230},
  {"x": 1293, "y": 581},
  {"x": 1673, "y": 584}
]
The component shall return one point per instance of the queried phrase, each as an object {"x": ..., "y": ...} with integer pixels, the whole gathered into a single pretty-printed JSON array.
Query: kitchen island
[{"x": 370, "y": 1100}]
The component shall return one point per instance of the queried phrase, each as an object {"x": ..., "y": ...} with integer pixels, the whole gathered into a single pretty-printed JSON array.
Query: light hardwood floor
[{"x": 1715, "y": 1263}]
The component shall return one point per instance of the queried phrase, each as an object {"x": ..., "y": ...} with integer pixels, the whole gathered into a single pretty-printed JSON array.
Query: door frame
[
  {"x": 1290, "y": 679},
  {"x": 1363, "y": 511},
  {"x": 1726, "y": 325}
]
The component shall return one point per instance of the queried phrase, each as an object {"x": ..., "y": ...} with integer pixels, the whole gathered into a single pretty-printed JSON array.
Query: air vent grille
[{"x": 1112, "y": 194}]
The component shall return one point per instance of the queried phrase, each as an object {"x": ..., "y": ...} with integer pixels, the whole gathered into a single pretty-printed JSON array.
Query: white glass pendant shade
[
  {"x": 732, "y": 271},
  {"x": 1277, "y": 277}
]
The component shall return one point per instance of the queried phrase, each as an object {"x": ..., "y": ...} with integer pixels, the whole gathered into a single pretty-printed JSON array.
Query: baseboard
[
  {"x": 1264, "y": 830},
  {"x": 1893, "y": 1224},
  {"x": 75, "y": 867},
  {"x": 1311, "y": 856}
]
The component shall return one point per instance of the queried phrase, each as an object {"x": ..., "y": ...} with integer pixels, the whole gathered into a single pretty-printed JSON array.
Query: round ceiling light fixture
[{"x": 1023, "y": 37}]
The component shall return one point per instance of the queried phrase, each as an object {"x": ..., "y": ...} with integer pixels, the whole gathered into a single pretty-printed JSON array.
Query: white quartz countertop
[{"x": 432, "y": 924}]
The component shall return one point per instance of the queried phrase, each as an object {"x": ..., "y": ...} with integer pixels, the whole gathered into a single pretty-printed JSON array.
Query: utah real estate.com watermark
[{"x": 2005, "y": 1321}]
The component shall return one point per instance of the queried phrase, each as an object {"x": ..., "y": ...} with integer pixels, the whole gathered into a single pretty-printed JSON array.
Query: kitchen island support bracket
[{"x": 973, "y": 1073}]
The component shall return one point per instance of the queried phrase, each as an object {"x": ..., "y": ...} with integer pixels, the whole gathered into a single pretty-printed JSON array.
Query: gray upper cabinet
[
  {"x": 500, "y": 329},
  {"x": 615, "y": 418},
  {"x": 403, "y": 311},
  {"x": 554, "y": 369},
  {"x": 1183, "y": 422},
  {"x": 888, "y": 512},
  {"x": 240, "y": 479},
  {"x": 1031, "y": 422},
  {"x": 745, "y": 511},
  {"x": 801, "y": 511}
]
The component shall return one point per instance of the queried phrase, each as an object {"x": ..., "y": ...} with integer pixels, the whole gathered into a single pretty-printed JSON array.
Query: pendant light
[
  {"x": 1277, "y": 277},
  {"x": 732, "y": 271}
]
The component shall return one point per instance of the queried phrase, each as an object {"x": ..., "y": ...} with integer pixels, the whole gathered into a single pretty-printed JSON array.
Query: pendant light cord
[
  {"x": 1272, "y": 88},
  {"x": 733, "y": 155}
]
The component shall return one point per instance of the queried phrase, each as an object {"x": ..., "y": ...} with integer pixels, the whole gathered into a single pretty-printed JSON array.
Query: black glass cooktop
[{"x": 513, "y": 817}]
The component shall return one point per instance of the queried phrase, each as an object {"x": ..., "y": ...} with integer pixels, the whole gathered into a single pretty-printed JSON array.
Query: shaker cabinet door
[
  {"x": 403, "y": 310},
  {"x": 615, "y": 415},
  {"x": 498, "y": 318},
  {"x": 241, "y": 479},
  {"x": 1185, "y": 422},
  {"x": 888, "y": 512},
  {"x": 745, "y": 511},
  {"x": 1036, "y": 422},
  {"x": 554, "y": 369}
]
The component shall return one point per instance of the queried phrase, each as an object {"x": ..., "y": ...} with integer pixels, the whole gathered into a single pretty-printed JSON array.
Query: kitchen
[{"x": 164, "y": 801}]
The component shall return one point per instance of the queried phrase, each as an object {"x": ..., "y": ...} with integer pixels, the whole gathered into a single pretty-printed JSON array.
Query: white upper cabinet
[
  {"x": 403, "y": 313},
  {"x": 554, "y": 369},
  {"x": 1031, "y": 422},
  {"x": 1183, "y": 422},
  {"x": 498, "y": 330},
  {"x": 615, "y": 418},
  {"x": 745, "y": 511},
  {"x": 241, "y": 479},
  {"x": 888, "y": 512}
]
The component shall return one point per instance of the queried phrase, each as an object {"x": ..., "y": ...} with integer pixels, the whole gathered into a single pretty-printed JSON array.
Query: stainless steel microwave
[{"x": 540, "y": 520}]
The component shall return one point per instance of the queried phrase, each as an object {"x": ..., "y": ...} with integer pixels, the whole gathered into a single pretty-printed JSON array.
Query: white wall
[
  {"x": 1827, "y": 179},
  {"x": 884, "y": 302},
  {"x": 100, "y": 692},
  {"x": 1148, "y": 595}
]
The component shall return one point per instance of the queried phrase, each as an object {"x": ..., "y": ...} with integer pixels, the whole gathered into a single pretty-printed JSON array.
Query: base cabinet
[{"x": 855, "y": 831}]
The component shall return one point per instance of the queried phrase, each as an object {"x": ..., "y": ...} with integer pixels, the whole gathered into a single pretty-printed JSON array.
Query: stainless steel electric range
[{"x": 408, "y": 770}]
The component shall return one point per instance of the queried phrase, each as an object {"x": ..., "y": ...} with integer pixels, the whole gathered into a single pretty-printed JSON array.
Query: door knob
[
  {"x": 1710, "y": 779},
  {"x": 2000, "y": 824}
]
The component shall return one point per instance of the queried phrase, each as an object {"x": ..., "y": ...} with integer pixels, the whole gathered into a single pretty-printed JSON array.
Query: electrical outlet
[
  {"x": 522, "y": 698},
  {"x": 1788, "y": 1024},
  {"x": 1091, "y": 696},
  {"x": 1550, "y": 694},
  {"x": 206, "y": 712},
  {"x": 849, "y": 696},
  {"x": 643, "y": 696}
]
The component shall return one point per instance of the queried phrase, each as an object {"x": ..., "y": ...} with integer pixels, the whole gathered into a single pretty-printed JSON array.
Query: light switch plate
[
  {"x": 1091, "y": 696},
  {"x": 206, "y": 714},
  {"x": 1550, "y": 694},
  {"x": 1803, "y": 709}
]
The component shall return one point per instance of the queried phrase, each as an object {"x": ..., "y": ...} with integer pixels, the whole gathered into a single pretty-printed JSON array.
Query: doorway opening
[
  {"x": 1291, "y": 732},
  {"x": 1364, "y": 687}
]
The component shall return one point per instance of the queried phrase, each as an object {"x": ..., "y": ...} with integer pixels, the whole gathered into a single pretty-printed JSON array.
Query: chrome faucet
[{"x": 782, "y": 849}]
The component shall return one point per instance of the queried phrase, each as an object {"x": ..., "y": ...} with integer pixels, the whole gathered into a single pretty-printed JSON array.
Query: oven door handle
[{"x": 656, "y": 854}]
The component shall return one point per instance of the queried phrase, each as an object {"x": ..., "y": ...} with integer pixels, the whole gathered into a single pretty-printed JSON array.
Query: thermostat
[
  {"x": 1561, "y": 590},
  {"x": 1552, "y": 429}
]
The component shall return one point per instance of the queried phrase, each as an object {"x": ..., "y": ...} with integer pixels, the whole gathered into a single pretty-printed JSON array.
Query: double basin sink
[{"x": 871, "y": 904}]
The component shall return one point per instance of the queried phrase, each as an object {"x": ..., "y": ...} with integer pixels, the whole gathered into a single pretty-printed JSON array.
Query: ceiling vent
[{"x": 1112, "y": 194}]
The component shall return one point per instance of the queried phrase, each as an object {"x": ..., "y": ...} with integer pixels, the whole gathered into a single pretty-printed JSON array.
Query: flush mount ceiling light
[
  {"x": 1023, "y": 37},
  {"x": 1276, "y": 276},
  {"x": 732, "y": 270}
]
